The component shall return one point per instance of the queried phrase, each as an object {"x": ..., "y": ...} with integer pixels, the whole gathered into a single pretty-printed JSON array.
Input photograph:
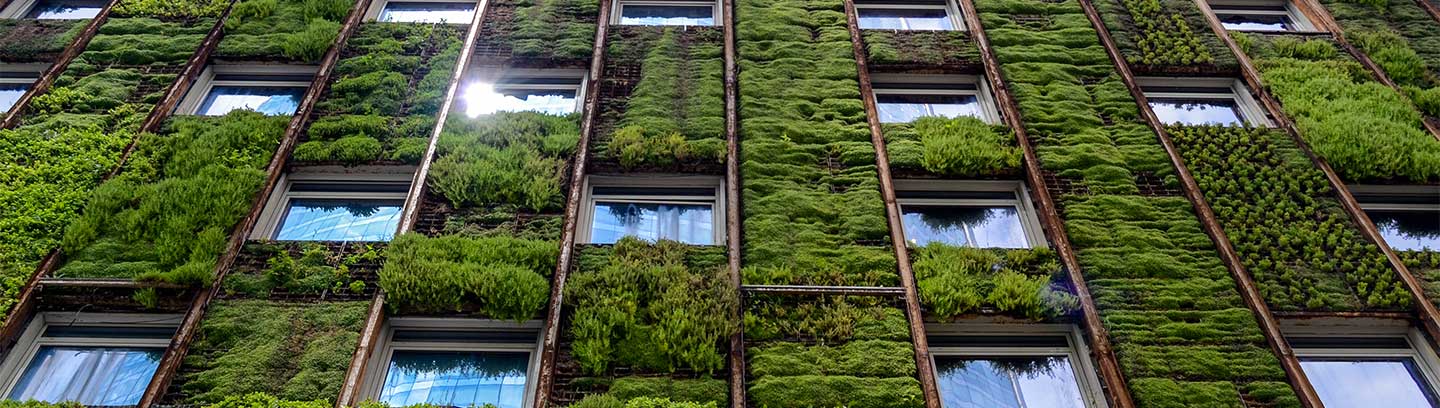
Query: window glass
[
  {"x": 340, "y": 220},
  {"x": 481, "y": 99},
  {"x": 907, "y": 108},
  {"x": 1408, "y": 230},
  {"x": 688, "y": 223},
  {"x": 1194, "y": 111},
  {"x": 667, "y": 15},
  {"x": 88, "y": 375},
  {"x": 973, "y": 226},
  {"x": 427, "y": 12},
  {"x": 905, "y": 19},
  {"x": 1368, "y": 383},
  {"x": 1009, "y": 382},
  {"x": 10, "y": 93},
  {"x": 455, "y": 379},
  {"x": 269, "y": 100},
  {"x": 66, "y": 9},
  {"x": 1256, "y": 22}
]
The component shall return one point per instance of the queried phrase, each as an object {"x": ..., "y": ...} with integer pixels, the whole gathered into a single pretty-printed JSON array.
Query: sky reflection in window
[
  {"x": 427, "y": 12},
  {"x": 339, "y": 220},
  {"x": 1018, "y": 382},
  {"x": 269, "y": 100},
  {"x": 1197, "y": 111},
  {"x": 905, "y": 19},
  {"x": 1408, "y": 230},
  {"x": 484, "y": 99},
  {"x": 972, "y": 226},
  {"x": 1387, "y": 383},
  {"x": 657, "y": 15},
  {"x": 906, "y": 108}
]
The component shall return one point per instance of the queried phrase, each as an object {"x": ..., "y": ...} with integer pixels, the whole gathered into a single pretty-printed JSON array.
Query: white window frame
[
  {"x": 17, "y": 9},
  {"x": 206, "y": 82},
  {"x": 952, "y": 12},
  {"x": 385, "y": 347},
  {"x": 377, "y": 6},
  {"x": 1297, "y": 18},
  {"x": 21, "y": 74},
  {"x": 32, "y": 339},
  {"x": 1250, "y": 111},
  {"x": 278, "y": 204},
  {"x": 1029, "y": 219},
  {"x": 717, "y": 201},
  {"x": 718, "y": 13},
  {"x": 989, "y": 112},
  {"x": 512, "y": 78},
  {"x": 1078, "y": 352},
  {"x": 1420, "y": 351}
]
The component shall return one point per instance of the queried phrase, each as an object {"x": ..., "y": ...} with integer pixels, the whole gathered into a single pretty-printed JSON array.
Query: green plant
[
  {"x": 263, "y": 400},
  {"x": 958, "y": 147},
  {"x": 920, "y": 48},
  {"x": 23, "y": 40},
  {"x": 10, "y": 403},
  {"x": 1159, "y": 32},
  {"x": 505, "y": 158},
  {"x": 178, "y": 9},
  {"x": 959, "y": 280},
  {"x": 299, "y": 30},
  {"x": 316, "y": 271},
  {"x": 830, "y": 318},
  {"x": 675, "y": 114},
  {"x": 503, "y": 277},
  {"x": 553, "y": 29}
]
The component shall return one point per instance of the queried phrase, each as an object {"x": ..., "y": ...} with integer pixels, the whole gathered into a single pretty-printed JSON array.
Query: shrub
[
  {"x": 503, "y": 277},
  {"x": 178, "y": 9},
  {"x": 297, "y": 30},
  {"x": 830, "y": 318},
  {"x": 959, "y": 147},
  {"x": 515, "y": 158},
  {"x": 958, "y": 280},
  {"x": 316, "y": 271}
]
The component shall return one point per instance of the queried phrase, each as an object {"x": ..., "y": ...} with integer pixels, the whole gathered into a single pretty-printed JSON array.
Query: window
[
  {"x": 268, "y": 89},
  {"x": 93, "y": 359},
  {"x": 15, "y": 79},
  {"x": 556, "y": 92},
  {"x": 1202, "y": 101},
  {"x": 996, "y": 366},
  {"x": 1363, "y": 363},
  {"x": 422, "y": 11},
  {"x": 358, "y": 206},
  {"x": 934, "y": 15},
  {"x": 54, "y": 9},
  {"x": 679, "y": 208},
  {"x": 1260, "y": 15},
  {"x": 454, "y": 362},
  {"x": 982, "y": 214},
  {"x": 1408, "y": 217},
  {"x": 905, "y": 98},
  {"x": 667, "y": 13}
]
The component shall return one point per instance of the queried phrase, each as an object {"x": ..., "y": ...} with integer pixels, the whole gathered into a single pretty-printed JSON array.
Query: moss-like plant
[
  {"x": 1162, "y": 33},
  {"x": 317, "y": 270},
  {"x": 920, "y": 49},
  {"x": 1023, "y": 282},
  {"x": 172, "y": 9},
  {"x": 24, "y": 40},
  {"x": 505, "y": 158},
  {"x": 608, "y": 401},
  {"x": 499, "y": 277},
  {"x": 676, "y": 112},
  {"x": 10, "y": 403},
  {"x": 828, "y": 318},
  {"x": 263, "y": 400},
  {"x": 551, "y": 29},
  {"x": 1399, "y": 36},
  {"x": 292, "y": 351},
  {"x": 1426, "y": 266},
  {"x": 623, "y": 391},
  {"x": 959, "y": 147},
  {"x": 860, "y": 373},
  {"x": 296, "y": 30}
]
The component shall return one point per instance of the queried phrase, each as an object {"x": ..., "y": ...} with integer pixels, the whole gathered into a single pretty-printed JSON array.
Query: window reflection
[
  {"x": 455, "y": 379},
  {"x": 340, "y": 220},
  {"x": 1408, "y": 230},
  {"x": 66, "y": 9},
  {"x": 1389, "y": 383},
  {"x": 1197, "y": 111},
  {"x": 484, "y": 99},
  {"x": 1010, "y": 382},
  {"x": 1256, "y": 22},
  {"x": 981, "y": 227},
  {"x": 904, "y": 19},
  {"x": 906, "y": 108},
  {"x": 688, "y": 223},
  {"x": 88, "y": 375},
  {"x": 269, "y": 100},
  {"x": 10, "y": 93},
  {"x": 667, "y": 15},
  {"x": 427, "y": 12}
]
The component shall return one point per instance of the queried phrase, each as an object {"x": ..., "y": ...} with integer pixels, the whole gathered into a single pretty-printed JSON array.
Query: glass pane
[
  {"x": 1011, "y": 382},
  {"x": 1408, "y": 230},
  {"x": 66, "y": 9},
  {"x": 481, "y": 99},
  {"x": 269, "y": 100},
  {"x": 88, "y": 375},
  {"x": 428, "y": 12},
  {"x": 1196, "y": 111},
  {"x": 1255, "y": 22},
  {"x": 905, "y": 19},
  {"x": 907, "y": 108},
  {"x": 633, "y": 14},
  {"x": 981, "y": 227},
  {"x": 9, "y": 94},
  {"x": 340, "y": 220},
  {"x": 1389, "y": 383},
  {"x": 688, "y": 223},
  {"x": 456, "y": 379}
]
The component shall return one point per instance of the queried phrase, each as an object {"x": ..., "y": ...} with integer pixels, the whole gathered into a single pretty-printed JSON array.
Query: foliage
[
  {"x": 503, "y": 277},
  {"x": 263, "y": 400},
  {"x": 167, "y": 216},
  {"x": 10, "y": 403},
  {"x": 175, "y": 9},
  {"x": 875, "y": 368},
  {"x": 907, "y": 48},
  {"x": 26, "y": 40},
  {"x": 552, "y": 29},
  {"x": 504, "y": 158},
  {"x": 828, "y": 318},
  {"x": 316, "y": 271},
  {"x": 608, "y": 401},
  {"x": 1426, "y": 266},
  {"x": 295, "y": 352},
  {"x": 958, "y": 147},
  {"x": 660, "y": 392},
  {"x": 298, "y": 30},
  {"x": 1162, "y": 32},
  {"x": 1024, "y": 282},
  {"x": 676, "y": 112},
  {"x": 1390, "y": 32}
]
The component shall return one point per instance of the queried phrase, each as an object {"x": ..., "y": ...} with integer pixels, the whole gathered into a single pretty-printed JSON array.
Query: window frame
[
  {"x": 1025, "y": 207},
  {"x": 1378, "y": 197},
  {"x": 510, "y": 78},
  {"x": 372, "y": 14},
  {"x": 206, "y": 82},
  {"x": 1086, "y": 376},
  {"x": 1297, "y": 18},
  {"x": 952, "y": 12},
  {"x": 1251, "y": 113},
  {"x": 277, "y": 206},
  {"x": 716, "y": 11},
  {"x": 585, "y": 222},
  {"x": 33, "y": 338},
  {"x": 385, "y": 347},
  {"x": 1420, "y": 351},
  {"x": 896, "y": 84},
  {"x": 21, "y": 74},
  {"x": 18, "y": 9}
]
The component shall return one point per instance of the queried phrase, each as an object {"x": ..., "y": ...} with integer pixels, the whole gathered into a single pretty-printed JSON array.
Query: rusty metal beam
[
  {"x": 802, "y": 290},
  {"x": 180, "y": 344},
  {"x": 24, "y": 308},
  {"x": 369, "y": 335},
  {"x": 1429, "y": 315},
  {"x": 1430, "y": 8},
  {"x": 1117, "y": 391},
  {"x": 913, "y": 315},
  {"x": 546, "y": 378},
  {"x": 42, "y": 84},
  {"x": 733, "y": 243}
]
